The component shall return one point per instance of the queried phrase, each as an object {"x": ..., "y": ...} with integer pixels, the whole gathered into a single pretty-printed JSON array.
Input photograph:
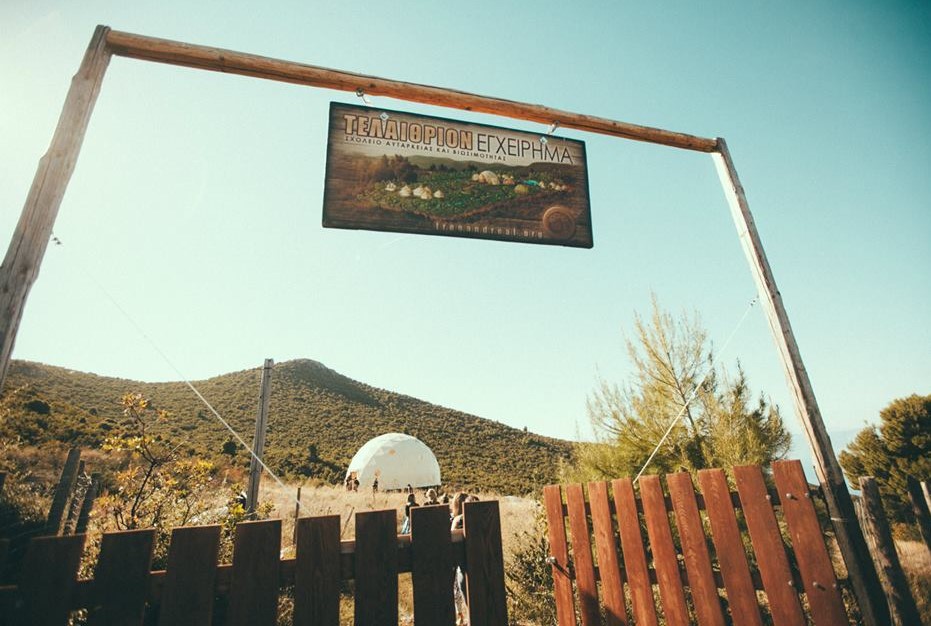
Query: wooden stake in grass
[
  {"x": 69, "y": 475},
  {"x": 901, "y": 603},
  {"x": 258, "y": 442},
  {"x": 920, "y": 509}
]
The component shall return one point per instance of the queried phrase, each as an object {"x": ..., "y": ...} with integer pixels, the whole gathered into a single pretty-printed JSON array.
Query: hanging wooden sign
[{"x": 399, "y": 172}]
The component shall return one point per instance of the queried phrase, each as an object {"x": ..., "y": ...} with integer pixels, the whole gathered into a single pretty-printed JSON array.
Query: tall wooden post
[
  {"x": 850, "y": 539},
  {"x": 926, "y": 491},
  {"x": 901, "y": 603},
  {"x": 919, "y": 509},
  {"x": 87, "y": 505},
  {"x": 27, "y": 247},
  {"x": 297, "y": 514},
  {"x": 69, "y": 474},
  {"x": 258, "y": 442}
]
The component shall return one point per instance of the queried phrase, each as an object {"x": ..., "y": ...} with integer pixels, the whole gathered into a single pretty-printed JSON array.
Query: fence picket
[
  {"x": 317, "y": 572},
  {"x": 432, "y": 565},
  {"x": 376, "y": 568},
  {"x": 767, "y": 544},
  {"x": 559, "y": 550},
  {"x": 47, "y": 580},
  {"x": 671, "y": 594},
  {"x": 814, "y": 563},
  {"x": 4, "y": 555},
  {"x": 187, "y": 597},
  {"x": 741, "y": 596},
  {"x": 695, "y": 550},
  {"x": 121, "y": 578},
  {"x": 484, "y": 564},
  {"x": 586, "y": 584},
  {"x": 635, "y": 558},
  {"x": 254, "y": 584},
  {"x": 612, "y": 586}
]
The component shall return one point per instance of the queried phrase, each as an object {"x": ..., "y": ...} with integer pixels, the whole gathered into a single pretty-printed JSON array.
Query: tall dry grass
[
  {"x": 916, "y": 563},
  {"x": 517, "y": 514}
]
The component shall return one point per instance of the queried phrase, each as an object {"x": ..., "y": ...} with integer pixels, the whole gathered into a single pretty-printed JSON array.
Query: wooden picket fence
[
  {"x": 194, "y": 590},
  {"x": 760, "y": 541}
]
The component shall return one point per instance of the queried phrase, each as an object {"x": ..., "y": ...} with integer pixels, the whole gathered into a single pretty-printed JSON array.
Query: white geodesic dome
[{"x": 398, "y": 460}]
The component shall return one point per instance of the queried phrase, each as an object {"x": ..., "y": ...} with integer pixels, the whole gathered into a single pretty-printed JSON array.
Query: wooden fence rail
[
  {"x": 194, "y": 590},
  {"x": 712, "y": 557}
]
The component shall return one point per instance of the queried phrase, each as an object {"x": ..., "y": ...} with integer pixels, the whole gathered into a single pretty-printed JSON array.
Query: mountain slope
[{"x": 318, "y": 418}]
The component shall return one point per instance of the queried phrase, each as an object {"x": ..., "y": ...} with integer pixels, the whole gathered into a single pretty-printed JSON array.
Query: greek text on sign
[{"x": 400, "y": 172}]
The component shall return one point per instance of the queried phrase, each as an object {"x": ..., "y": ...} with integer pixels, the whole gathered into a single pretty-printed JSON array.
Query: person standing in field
[
  {"x": 456, "y": 523},
  {"x": 406, "y": 524}
]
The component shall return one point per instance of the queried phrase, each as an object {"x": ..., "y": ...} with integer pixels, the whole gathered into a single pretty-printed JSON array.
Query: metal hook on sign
[
  {"x": 549, "y": 133},
  {"x": 361, "y": 93}
]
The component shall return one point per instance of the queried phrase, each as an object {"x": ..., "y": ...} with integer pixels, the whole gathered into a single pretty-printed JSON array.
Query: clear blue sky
[{"x": 196, "y": 202}]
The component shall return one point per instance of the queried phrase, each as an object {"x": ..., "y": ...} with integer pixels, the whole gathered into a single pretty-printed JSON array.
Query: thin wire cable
[
  {"x": 177, "y": 372},
  {"x": 694, "y": 393}
]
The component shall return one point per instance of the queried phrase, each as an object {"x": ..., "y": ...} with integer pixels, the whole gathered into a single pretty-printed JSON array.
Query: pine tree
[
  {"x": 899, "y": 448},
  {"x": 718, "y": 423}
]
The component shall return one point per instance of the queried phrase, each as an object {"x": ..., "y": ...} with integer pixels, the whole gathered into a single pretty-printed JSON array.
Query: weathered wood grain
[
  {"x": 559, "y": 550},
  {"x": 484, "y": 564},
  {"x": 609, "y": 568},
  {"x": 232, "y": 62},
  {"x": 772, "y": 559},
  {"x": 814, "y": 563},
  {"x": 376, "y": 568},
  {"x": 432, "y": 565},
  {"x": 586, "y": 585},
  {"x": 30, "y": 240},
  {"x": 741, "y": 596},
  {"x": 121, "y": 578},
  {"x": 635, "y": 558},
  {"x": 63, "y": 492},
  {"x": 47, "y": 580},
  {"x": 317, "y": 571},
  {"x": 187, "y": 596},
  {"x": 254, "y": 585},
  {"x": 665, "y": 562},
  {"x": 901, "y": 603},
  {"x": 695, "y": 550}
]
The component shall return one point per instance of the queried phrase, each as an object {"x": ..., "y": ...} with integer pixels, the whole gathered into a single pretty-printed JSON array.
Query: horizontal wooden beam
[{"x": 231, "y": 62}]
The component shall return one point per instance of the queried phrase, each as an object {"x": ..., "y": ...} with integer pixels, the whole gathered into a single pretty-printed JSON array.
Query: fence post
[
  {"x": 920, "y": 509},
  {"x": 87, "y": 505},
  {"x": 81, "y": 484},
  {"x": 20, "y": 267},
  {"x": 901, "y": 604},
  {"x": 69, "y": 475},
  {"x": 258, "y": 442},
  {"x": 297, "y": 515}
]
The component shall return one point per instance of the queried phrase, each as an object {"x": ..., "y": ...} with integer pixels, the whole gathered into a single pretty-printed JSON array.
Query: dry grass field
[{"x": 517, "y": 514}]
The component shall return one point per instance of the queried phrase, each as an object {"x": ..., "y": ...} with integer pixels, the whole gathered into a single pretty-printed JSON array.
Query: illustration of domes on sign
[{"x": 397, "y": 460}]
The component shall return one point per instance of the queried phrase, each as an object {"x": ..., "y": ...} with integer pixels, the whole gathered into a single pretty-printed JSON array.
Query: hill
[{"x": 318, "y": 418}]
